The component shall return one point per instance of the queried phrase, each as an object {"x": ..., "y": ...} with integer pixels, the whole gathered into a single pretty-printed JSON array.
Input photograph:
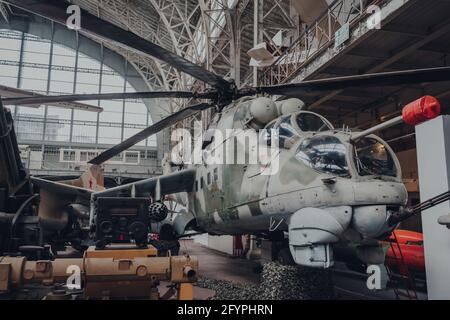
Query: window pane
[
  {"x": 59, "y": 124},
  {"x": 34, "y": 77},
  {"x": 109, "y": 135},
  {"x": 61, "y": 82},
  {"x": 372, "y": 158},
  {"x": 84, "y": 133},
  {"x": 63, "y": 56},
  {"x": 311, "y": 122},
  {"x": 29, "y": 123},
  {"x": 8, "y": 75},
  {"x": 325, "y": 154}
]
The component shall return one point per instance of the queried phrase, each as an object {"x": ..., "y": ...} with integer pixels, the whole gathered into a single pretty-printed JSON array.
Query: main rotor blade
[
  {"x": 107, "y": 96},
  {"x": 56, "y": 10},
  {"x": 9, "y": 94},
  {"x": 365, "y": 80},
  {"x": 153, "y": 129}
]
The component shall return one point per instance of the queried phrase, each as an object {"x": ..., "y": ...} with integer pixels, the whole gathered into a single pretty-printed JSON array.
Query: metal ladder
[{"x": 408, "y": 290}]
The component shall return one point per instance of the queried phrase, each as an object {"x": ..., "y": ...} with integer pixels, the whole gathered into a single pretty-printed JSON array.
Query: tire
[
  {"x": 167, "y": 233},
  {"x": 285, "y": 258}
]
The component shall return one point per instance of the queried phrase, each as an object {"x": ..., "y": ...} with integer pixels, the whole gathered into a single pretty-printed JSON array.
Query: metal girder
[
  {"x": 157, "y": 74},
  {"x": 220, "y": 37},
  {"x": 4, "y": 12},
  {"x": 127, "y": 16},
  {"x": 278, "y": 7},
  {"x": 264, "y": 13},
  {"x": 316, "y": 38},
  {"x": 435, "y": 33},
  {"x": 180, "y": 25},
  {"x": 175, "y": 31},
  {"x": 241, "y": 6}
]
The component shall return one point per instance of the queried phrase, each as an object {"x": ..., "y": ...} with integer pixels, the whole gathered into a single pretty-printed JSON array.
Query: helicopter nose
[
  {"x": 313, "y": 230},
  {"x": 371, "y": 221}
]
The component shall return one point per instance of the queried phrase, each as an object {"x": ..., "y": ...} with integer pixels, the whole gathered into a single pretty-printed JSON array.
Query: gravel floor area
[{"x": 277, "y": 283}]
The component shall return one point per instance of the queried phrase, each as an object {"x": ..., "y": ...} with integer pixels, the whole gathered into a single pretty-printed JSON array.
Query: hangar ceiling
[
  {"x": 204, "y": 32},
  {"x": 218, "y": 33}
]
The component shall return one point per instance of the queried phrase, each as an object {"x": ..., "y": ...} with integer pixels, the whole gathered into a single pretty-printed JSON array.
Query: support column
[
  {"x": 49, "y": 78},
  {"x": 74, "y": 89},
  {"x": 100, "y": 83},
  {"x": 433, "y": 156},
  {"x": 258, "y": 17},
  {"x": 19, "y": 71}
]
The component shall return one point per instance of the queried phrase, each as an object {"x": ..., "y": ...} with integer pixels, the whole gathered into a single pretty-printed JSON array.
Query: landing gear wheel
[
  {"x": 285, "y": 258},
  {"x": 167, "y": 241}
]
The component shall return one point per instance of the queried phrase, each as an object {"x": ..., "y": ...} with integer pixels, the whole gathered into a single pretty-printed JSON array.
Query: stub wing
[
  {"x": 175, "y": 182},
  {"x": 92, "y": 183},
  {"x": 60, "y": 188},
  {"x": 89, "y": 182},
  {"x": 90, "y": 186}
]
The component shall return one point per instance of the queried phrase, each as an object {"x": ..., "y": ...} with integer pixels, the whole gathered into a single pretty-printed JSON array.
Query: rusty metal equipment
[{"x": 118, "y": 272}]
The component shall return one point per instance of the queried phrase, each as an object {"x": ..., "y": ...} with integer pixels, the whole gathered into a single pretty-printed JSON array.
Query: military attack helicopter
[{"x": 331, "y": 186}]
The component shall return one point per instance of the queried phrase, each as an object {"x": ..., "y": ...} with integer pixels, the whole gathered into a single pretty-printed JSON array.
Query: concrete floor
[
  {"x": 220, "y": 266},
  {"x": 352, "y": 285},
  {"x": 217, "y": 265}
]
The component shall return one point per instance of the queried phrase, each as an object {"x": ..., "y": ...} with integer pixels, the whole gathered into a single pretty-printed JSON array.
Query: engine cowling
[{"x": 262, "y": 111}]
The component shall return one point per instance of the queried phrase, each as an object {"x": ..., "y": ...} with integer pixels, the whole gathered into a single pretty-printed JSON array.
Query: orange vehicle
[{"x": 410, "y": 246}]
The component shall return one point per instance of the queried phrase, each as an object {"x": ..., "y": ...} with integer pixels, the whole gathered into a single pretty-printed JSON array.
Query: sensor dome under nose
[{"x": 370, "y": 221}]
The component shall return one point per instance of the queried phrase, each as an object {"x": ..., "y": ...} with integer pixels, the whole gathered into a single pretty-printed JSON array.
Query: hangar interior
[{"x": 256, "y": 43}]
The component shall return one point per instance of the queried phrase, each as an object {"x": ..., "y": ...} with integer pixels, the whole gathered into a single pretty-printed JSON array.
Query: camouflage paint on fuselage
[{"x": 242, "y": 200}]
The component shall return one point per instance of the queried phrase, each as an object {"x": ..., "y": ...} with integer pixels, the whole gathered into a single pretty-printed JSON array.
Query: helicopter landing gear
[
  {"x": 285, "y": 258},
  {"x": 167, "y": 242},
  {"x": 280, "y": 249}
]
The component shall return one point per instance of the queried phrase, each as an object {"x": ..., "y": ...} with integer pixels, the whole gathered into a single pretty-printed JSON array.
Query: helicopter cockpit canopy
[
  {"x": 291, "y": 127},
  {"x": 372, "y": 158},
  {"x": 328, "y": 154},
  {"x": 325, "y": 154}
]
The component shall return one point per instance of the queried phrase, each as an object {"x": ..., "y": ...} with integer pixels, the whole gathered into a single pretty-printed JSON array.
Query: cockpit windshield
[
  {"x": 290, "y": 128},
  {"x": 325, "y": 154},
  {"x": 372, "y": 158},
  {"x": 287, "y": 135},
  {"x": 311, "y": 122}
]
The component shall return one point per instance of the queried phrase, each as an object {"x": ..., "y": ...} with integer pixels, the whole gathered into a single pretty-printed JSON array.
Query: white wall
[{"x": 220, "y": 243}]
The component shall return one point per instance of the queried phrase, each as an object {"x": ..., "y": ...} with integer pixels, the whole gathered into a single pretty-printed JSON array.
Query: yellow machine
[{"x": 117, "y": 272}]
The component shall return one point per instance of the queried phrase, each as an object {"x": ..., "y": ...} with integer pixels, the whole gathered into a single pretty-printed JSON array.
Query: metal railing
[
  {"x": 317, "y": 37},
  {"x": 83, "y": 156},
  {"x": 61, "y": 160}
]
